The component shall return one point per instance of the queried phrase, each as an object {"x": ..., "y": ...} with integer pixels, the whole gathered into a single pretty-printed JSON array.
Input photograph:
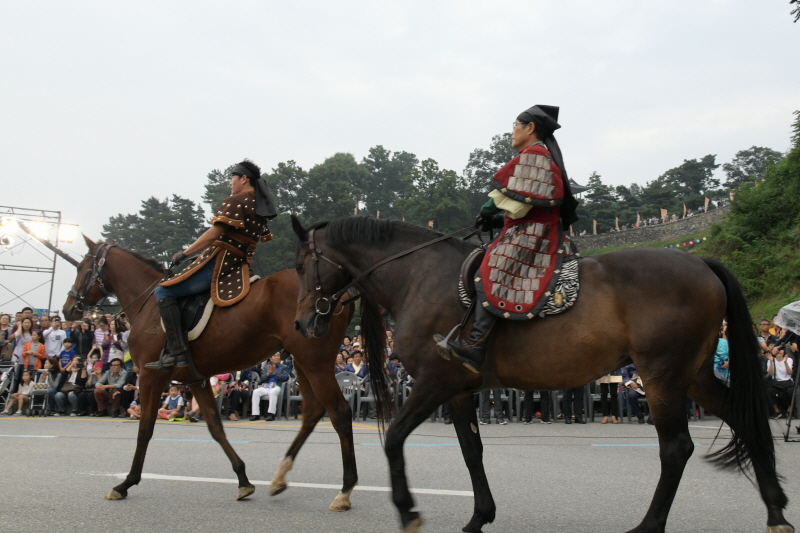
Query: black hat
[{"x": 544, "y": 116}]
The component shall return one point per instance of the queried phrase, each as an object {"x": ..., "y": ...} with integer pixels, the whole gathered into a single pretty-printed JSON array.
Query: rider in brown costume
[{"x": 227, "y": 250}]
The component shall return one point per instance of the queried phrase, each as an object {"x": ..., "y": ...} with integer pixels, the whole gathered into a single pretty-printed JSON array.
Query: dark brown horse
[
  {"x": 657, "y": 308},
  {"x": 235, "y": 338}
]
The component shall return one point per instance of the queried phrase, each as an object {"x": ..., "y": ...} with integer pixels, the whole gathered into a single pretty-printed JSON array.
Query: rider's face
[{"x": 238, "y": 183}]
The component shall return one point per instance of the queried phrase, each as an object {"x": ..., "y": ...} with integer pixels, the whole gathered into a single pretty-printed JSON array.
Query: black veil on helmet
[
  {"x": 545, "y": 118},
  {"x": 265, "y": 208}
]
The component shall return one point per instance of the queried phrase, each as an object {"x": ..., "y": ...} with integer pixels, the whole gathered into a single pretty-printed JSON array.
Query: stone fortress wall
[{"x": 659, "y": 232}]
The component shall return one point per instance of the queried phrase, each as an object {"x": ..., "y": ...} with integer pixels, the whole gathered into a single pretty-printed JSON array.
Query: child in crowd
[
  {"x": 172, "y": 408},
  {"x": 33, "y": 354},
  {"x": 67, "y": 353},
  {"x": 22, "y": 396},
  {"x": 134, "y": 410}
]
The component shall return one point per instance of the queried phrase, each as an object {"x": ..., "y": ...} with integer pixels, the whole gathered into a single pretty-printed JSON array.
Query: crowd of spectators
[{"x": 84, "y": 368}]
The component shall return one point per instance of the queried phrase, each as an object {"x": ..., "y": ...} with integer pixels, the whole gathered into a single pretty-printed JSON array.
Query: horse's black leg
[
  {"x": 151, "y": 384},
  {"x": 675, "y": 448},
  {"x": 208, "y": 406},
  {"x": 709, "y": 393},
  {"x": 425, "y": 397},
  {"x": 465, "y": 420}
]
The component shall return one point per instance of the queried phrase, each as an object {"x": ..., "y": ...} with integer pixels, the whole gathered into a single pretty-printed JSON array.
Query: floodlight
[
  {"x": 40, "y": 229},
  {"x": 67, "y": 233}
]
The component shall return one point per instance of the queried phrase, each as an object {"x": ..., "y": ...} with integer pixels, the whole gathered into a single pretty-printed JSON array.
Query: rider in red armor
[{"x": 521, "y": 198}]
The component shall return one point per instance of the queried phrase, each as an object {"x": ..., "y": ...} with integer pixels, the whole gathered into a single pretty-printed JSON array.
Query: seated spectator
[
  {"x": 86, "y": 402},
  {"x": 33, "y": 355},
  {"x": 339, "y": 365},
  {"x": 54, "y": 380},
  {"x": 67, "y": 353},
  {"x": 134, "y": 411},
  {"x": 358, "y": 366},
  {"x": 173, "y": 406},
  {"x": 22, "y": 396},
  {"x": 130, "y": 390},
  {"x": 75, "y": 382},
  {"x": 238, "y": 392},
  {"x": 635, "y": 389},
  {"x": 110, "y": 388},
  {"x": 780, "y": 382},
  {"x": 275, "y": 374},
  {"x": 346, "y": 344}
]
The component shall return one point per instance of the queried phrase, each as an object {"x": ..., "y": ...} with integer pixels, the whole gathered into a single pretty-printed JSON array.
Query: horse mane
[
  {"x": 375, "y": 231},
  {"x": 149, "y": 261}
]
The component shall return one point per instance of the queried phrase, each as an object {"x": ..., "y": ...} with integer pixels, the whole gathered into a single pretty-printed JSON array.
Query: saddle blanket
[
  {"x": 524, "y": 274},
  {"x": 197, "y": 329}
]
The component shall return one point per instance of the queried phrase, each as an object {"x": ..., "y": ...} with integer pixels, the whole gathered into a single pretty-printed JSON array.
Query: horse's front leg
[
  {"x": 465, "y": 420},
  {"x": 151, "y": 383},
  {"x": 208, "y": 406},
  {"x": 424, "y": 399}
]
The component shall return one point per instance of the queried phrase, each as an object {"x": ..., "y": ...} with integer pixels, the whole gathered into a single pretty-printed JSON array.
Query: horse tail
[
  {"x": 746, "y": 400},
  {"x": 374, "y": 346}
]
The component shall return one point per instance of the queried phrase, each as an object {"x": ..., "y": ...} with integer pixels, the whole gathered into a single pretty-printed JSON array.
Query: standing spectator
[
  {"x": 54, "y": 338},
  {"x": 486, "y": 407},
  {"x": 40, "y": 324},
  {"x": 764, "y": 333},
  {"x": 102, "y": 342},
  {"x": 635, "y": 388},
  {"x": 608, "y": 386},
  {"x": 271, "y": 380},
  {"x": 33, "y": 354},
  {"x": 780, "y": 383},
  {"x": 115, "y": 350},
  {"x": 22, "y": 396},
  {"x": 173, "y": 406},
  {"x": 544, "y": 406},
  {"x": 83, "y": 338},
  {"x": 573, "y": 402},
  {"x": 110, "y": 388},
  {"x": 6, "y": 347},
  {"x": 21, "y": 336},
  {"x": 66, "y": 354},
  {"x": 721, "y": 357}
]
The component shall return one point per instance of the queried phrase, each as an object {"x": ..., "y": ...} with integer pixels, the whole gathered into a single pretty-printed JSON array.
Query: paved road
[{"x": 590, "y": 478}]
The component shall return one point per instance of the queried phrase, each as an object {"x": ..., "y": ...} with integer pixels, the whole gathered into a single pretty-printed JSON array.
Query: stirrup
[{"x": 441, "y": 342}]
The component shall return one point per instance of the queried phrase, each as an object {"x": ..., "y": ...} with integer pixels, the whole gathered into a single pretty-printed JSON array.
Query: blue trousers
[{"x": 197, "y": 283}]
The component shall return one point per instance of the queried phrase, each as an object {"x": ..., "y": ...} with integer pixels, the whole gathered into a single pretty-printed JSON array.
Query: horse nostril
[{"x": 297, "y": 325}]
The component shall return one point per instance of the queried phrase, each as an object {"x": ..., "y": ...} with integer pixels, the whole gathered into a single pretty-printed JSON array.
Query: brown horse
[
  {"x": 235, "y": 338},
  {"x": 657, "y": 308}
]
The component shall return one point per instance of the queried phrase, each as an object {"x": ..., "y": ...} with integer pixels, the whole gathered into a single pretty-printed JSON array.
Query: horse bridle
[
  {"x": 331, "y": 302},
  {"x": 91, "y": 277}
]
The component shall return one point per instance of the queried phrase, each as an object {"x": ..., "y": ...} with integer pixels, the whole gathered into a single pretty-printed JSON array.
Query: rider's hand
[
  {"x": 178, "y": 257},
  {"x": 483, "y": 222}
]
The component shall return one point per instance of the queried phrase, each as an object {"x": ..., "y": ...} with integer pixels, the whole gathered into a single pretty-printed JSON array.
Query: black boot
[
  {"x": 472, "y": 350},
  {"x": 177, "y": 348}
]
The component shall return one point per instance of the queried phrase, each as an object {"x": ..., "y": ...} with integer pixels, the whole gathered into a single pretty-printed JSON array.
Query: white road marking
[{"x": 367, "y": 488}]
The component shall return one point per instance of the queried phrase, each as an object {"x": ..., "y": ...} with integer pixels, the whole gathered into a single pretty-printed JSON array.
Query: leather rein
[{"x": 333, "y": 301}]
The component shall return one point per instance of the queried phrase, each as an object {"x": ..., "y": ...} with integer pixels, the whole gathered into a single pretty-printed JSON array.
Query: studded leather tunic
[{"x": 233, "y": 251}]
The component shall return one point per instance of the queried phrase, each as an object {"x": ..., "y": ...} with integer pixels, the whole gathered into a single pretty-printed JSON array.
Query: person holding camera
[
  {"x": 76, "y": 377},
  {"x": 780, "y": 384},
  {"x": 275, "y": 374}
]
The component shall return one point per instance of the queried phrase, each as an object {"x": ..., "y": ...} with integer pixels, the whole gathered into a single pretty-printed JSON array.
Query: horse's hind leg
[
  {"x": 208, "y": 405},
  {"x": 667, "y": 407},
  {"x": 151, "y": 384},
  {"x": 709, "y": 392},
  {"x": 465, "y": 420}
]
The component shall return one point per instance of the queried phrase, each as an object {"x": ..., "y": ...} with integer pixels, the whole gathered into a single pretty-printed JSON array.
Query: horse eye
[{"x": 299, "y": 269}]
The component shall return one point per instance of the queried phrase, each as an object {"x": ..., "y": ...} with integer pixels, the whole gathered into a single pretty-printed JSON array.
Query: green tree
[
  {"x": 481, "y": 167},
  {"x": 335, "y": 188},
  {"x": 796, "y": 10},
  {"x": 288, "y": 185},
  {"x": 600, "y": 204},
  {"x": 390, "y": 180},
  {"x": 749, "y": 165},
  {"x": 217, "y": 188},
  {"x": 438, "y": 196}
]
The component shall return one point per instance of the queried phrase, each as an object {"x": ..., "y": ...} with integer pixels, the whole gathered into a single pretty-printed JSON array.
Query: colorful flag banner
[
  {"x": 684, "y": 210},
  {"x": 663, "y": 215},
  {"x": 616, "y": 222},
  {"x": 594, "y": 227},
  {"x": 705, "y": 208}
]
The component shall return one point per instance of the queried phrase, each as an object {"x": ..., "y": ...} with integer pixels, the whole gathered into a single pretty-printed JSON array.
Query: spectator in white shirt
[{"x": 54, "y": 338}]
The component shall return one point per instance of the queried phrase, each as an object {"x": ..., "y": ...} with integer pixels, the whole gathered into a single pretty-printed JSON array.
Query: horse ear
[
  {"x": 299, "y": 230},
  {"x": 89, "y": 243}
]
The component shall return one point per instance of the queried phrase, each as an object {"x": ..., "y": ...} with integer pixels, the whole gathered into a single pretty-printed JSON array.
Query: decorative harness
[
  {"x": 91, "y": 277},
  {"x": 333, "y": 301}
]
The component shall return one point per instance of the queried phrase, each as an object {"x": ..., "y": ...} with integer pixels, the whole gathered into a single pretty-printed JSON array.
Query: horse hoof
[
  {"x": 341, "y": 503},
  {"x": 277, "y": 488},
  {"x": 244, "y": 492},
  {"x": 114, "y": 495},
  {"x": 784, "y": 528},
  {"x": 414, "y": 526}
]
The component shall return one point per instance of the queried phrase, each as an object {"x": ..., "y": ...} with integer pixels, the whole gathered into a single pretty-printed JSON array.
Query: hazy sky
[{"x": 107, "y": 103}]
